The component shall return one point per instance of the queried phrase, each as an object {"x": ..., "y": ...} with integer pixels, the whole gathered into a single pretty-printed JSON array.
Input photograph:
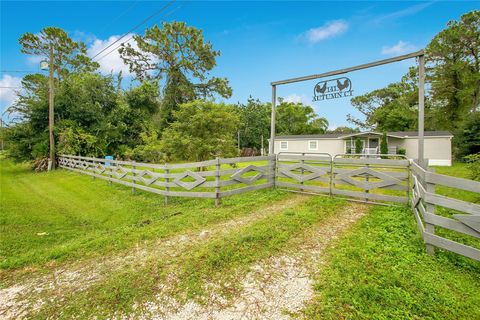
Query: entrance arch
[{"x": 421, "y": 93}]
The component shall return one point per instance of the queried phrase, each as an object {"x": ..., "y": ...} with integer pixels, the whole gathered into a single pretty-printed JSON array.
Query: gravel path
[
  {"x": 274, "y": 288},
  {"x": 29, "y": 295}
]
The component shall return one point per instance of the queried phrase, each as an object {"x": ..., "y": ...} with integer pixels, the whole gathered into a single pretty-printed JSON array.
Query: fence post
[
  {"x": 217, "y": 181},
  {"x": 366, "y": 180},
  {"x": 110, "y": 174},
  {"x": 134, "y": 167},
  {"x": 409, "y": 170},
  {"x": 331, "y": 176},
  {"x": 302, "y": 162},
  {"x": 430, "y": 228},
  {"x": 167, "y": 181},
  {"x": 274, "y": 168}
]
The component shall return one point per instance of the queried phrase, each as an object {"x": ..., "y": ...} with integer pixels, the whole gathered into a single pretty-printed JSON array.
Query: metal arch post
[
  {"x": 271, "y": 146},
  {"x": 421, "y": 109}
]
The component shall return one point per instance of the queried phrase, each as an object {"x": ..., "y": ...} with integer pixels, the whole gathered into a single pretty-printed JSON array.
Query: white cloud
[
  {"x": 295, "y": 98},
  {"x": 401, "y": 47},
  {"x": 328, "y": 30},
  {"x": 111, "y": 62},
  {"x": 9, "y": 95},
  {"x": 403, "y": 13}
]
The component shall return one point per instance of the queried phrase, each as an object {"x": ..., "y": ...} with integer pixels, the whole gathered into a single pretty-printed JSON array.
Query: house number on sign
[{"x": 332, "y": 89}]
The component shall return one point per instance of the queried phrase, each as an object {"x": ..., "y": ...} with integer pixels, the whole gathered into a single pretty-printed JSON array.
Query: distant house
[{"x": 438, "y": 144}]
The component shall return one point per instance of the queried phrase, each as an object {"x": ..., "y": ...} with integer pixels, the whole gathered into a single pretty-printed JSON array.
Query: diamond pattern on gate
[
  {"x": 84, "y": 165},
  {"x": 386, "y": 180},
  {"x": 119, "y": 172},
  {"x": 248, "y": 180},
  {"x": 189, "y": 185},
  {"x": 100, "y": 168},
  {"x": 314, "y": 172},
  {"x": 148, "y": 177}
]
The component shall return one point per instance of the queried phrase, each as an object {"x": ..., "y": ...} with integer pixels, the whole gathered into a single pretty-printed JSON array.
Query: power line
[
  {"x": 10, "y": 87},
  {"x": 167, "y": 15},
  {"x": 120, "y": 15},
  {"x": 136, "y": 27},
  {"x": 18, "y": 71}
]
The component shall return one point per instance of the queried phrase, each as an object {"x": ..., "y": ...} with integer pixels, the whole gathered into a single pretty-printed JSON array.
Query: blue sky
[{"x": 260, "y": 42}]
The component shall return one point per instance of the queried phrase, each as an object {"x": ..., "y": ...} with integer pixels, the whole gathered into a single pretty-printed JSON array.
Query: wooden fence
[
  {"x": 445, "y": 222},
  {"x": 212, "y": 179},
  {"x": 368, "y": 179},
  {"x": 365, "y": 178}
]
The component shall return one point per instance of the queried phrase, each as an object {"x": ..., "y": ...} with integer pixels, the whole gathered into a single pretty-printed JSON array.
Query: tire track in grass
[
  {"x": 274, "y": 288},
  {"x": 19, "y": 300}
]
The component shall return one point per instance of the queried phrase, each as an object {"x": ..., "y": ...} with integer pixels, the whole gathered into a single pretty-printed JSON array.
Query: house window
[
  {"x": 312, "y": 145},
  {"x": 283, "y": 145}
]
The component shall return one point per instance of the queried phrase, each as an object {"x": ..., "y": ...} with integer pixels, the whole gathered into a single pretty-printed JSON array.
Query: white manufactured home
[{"x": 438, "y": 144}]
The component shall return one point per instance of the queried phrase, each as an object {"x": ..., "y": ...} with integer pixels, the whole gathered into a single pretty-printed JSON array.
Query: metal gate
[{"x": 363, "y": 177}]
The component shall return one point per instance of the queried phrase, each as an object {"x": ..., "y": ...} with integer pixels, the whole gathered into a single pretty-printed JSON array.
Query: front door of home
[{"x": 373, "y": 143}]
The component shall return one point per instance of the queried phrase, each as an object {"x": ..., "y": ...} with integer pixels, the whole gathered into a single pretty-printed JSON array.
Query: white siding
[
  {"x": 437, "y": 150},
  {"x": 331, "y": 146}
]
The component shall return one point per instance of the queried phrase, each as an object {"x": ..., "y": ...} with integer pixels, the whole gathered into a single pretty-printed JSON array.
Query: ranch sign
[{"x": 332, "y": 89}]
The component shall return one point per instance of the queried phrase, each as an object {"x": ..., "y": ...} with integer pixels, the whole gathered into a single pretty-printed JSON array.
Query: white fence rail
[
  {"x": 434, "y": 210},
  {"x": 361, "y": 177},
  {"x": 212, "y": 179}
]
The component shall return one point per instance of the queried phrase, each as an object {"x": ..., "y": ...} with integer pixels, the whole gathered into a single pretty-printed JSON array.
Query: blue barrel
[{"x": 107, "y": 163}]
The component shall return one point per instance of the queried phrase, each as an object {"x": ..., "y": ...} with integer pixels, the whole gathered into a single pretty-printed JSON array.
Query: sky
[{"x": 260, "y": 42}]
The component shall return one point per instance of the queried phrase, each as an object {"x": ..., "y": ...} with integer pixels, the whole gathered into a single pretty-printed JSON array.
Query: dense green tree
[
  {"x": 254, "y": 123},
  {"x": 344, "y": 129},
  {"x": 454, "y": 70},
  {"x": 93, "y": 117},
  {"x": 393, "y": 108},
  {"x": 297, "y": 118},
  {"x": 467, "y": 139},
  {"x": 179, "y": 55},
  {"x": 202, "y": 130}
]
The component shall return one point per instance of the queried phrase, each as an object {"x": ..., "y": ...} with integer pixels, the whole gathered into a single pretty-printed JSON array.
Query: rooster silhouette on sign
[
  {"x": 321, "y": 89},
  {"x": 345, "y": 84}
]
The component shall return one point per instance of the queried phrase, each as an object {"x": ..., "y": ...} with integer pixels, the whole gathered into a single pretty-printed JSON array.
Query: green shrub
[
  {"x": 474, "y": 165},
  {"x": 402, "y": 151},
  {"x": 384, "y": 145},
  {"x": 358, "y": 146}
]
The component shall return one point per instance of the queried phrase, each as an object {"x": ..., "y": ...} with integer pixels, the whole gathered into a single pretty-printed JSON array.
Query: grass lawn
[
  {"x": 381, "y": 271},
  {"x": 222, "y": 261},
  {"x": 48, "y": 217},
  {"x": 459, "y": 170},
  {"x": 378, "y": 270}
]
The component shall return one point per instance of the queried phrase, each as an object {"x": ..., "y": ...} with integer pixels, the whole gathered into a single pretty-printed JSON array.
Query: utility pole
[
  {"x": 238, "y": 140},
  {"x": 50, "y": 110},
  {"x": 262, "y": 151}
]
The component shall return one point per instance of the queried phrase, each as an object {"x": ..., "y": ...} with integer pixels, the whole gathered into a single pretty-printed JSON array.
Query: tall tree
[
  {"x": 202, "y": 130},
  {"x": 254, "y": 123},
  {"x": 392, "y": 108},
  {"x": 453, "y": 58},
  {"x": 68, "y": 55},
  {"x": 297, "y": 118},
  {"x": 178, "y": 55}
]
